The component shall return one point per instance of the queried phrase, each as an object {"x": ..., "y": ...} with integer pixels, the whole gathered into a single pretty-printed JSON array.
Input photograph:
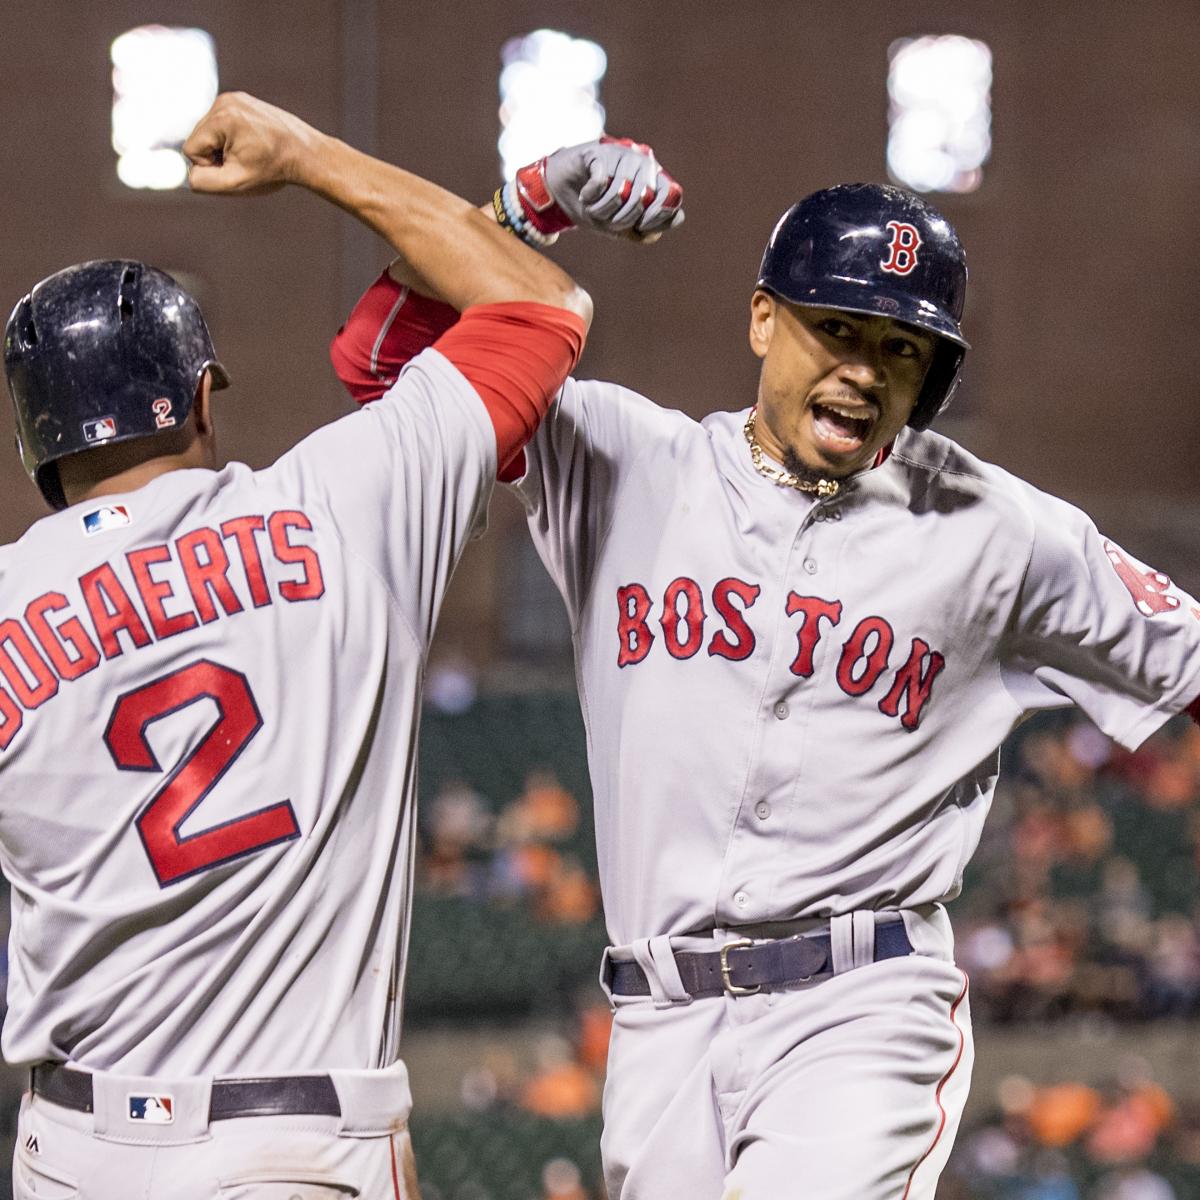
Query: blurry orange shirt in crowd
[
  {"x": 570, "y": 896},
  {"x": 535, "y": 865},
  {"x": 1128, "y": 1131},
  {"x": 548, "y": 809},
  {"x": 595, "y": 1028},
  {"x": 566, "y": 1090},
  {"x": 1060, "y": 1114}
]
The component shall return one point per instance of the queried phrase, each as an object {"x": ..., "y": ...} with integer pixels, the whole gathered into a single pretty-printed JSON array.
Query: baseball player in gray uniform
[
  {"x": 802, "y": 631},
  {"x": 209, "y": 691}
]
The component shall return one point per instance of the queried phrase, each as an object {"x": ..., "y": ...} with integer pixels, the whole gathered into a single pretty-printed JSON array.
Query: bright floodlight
[
  {"x": 164, "y": 81},
  {"x": 940, "y": 112},
  {"x": 549, "y": 95}
]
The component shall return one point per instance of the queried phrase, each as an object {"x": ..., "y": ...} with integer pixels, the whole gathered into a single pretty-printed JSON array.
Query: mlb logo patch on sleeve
[
  {"x": 152, "y": 1110},
  {"x": 107, "y": 516},
  {"x": 100, "y": 430}
]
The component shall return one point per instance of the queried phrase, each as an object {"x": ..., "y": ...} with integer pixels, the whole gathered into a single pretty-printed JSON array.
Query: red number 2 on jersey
[{"x": 174, "y": 857}]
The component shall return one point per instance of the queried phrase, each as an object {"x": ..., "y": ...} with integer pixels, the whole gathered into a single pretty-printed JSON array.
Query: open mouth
[{"x": 840, "y": 428}]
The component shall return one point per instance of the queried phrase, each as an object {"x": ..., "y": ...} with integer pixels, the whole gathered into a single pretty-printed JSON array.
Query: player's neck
[{"x": 94, "y": 482}]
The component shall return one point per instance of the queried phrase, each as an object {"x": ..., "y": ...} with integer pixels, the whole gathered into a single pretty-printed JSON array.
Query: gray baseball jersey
[
  {"x": 794, "y": 707},
  {"x": 209, "y": 695}
]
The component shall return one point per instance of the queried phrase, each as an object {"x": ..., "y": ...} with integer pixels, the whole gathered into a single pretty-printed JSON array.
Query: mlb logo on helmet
[
  {"x": 108, "y": 516},
  {"x": 100, "y": 430},
  {"x": 153, "y": 1110}
]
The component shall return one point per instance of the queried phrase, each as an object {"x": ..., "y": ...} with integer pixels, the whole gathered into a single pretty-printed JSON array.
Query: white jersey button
[
  {"x": 762, "y": 810},
  {"x": 741, "y": 899},
  {"x": 810, "y": 565},
  {"x": 781, "y": 710}
]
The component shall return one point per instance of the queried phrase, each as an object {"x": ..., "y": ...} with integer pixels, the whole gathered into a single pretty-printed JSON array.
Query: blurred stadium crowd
[{"x": 1080, "y": 905}]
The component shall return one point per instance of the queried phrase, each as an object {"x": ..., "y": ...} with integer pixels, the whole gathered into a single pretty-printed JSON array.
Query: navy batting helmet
[
  {"x": 868, "y": 248},
  {"x": 100, "y": 353}
]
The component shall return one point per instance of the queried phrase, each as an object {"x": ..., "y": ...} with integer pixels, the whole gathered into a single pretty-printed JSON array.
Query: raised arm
[
  {"x": 613, "y": 186},
  {"x": 244, "y": 146}
]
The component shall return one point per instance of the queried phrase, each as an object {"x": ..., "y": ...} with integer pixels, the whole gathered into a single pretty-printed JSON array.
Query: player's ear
[
  {"x": 202, "y": 404},
  {"x": 762, "y": 321}
]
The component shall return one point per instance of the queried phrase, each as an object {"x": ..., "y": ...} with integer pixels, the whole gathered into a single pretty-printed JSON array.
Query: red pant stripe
[
  {"x": 395, "y": 1173},
  {"x": 962, "y": 1041}
]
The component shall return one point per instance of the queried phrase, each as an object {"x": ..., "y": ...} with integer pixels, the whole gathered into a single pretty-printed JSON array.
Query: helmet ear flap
[
  {"x": 49, "y": 484},
  {"x": 941, "y": 382}
]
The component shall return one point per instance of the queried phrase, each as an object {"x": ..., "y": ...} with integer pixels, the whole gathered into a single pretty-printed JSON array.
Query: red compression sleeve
[
  {"x": 516, "y": 356},
  {"x": 1193, "y": 710},
  {"x": 388, "y": 326}
]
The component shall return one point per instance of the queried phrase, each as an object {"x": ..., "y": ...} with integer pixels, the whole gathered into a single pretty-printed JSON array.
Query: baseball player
[
  {"x": 209, "y": 690},
  {"x": 802, "y": 631}
]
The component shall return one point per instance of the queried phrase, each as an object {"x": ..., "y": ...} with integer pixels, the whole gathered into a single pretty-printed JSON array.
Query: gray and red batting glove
[{"x": 613, "y": 185}]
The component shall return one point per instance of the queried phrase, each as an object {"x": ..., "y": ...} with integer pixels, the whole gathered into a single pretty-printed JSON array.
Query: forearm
[
  {"x": 401, "y": 271},
  {"x": 453, "y": 250}
]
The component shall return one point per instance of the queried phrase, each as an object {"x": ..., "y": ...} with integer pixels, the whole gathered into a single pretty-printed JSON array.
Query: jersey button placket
[{"x": 758, "y": 850}]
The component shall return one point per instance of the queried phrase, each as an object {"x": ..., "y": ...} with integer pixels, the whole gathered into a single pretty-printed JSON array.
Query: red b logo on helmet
[{"x": 902, "y": 249}]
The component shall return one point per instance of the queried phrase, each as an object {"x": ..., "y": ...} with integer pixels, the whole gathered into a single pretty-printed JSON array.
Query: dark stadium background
[{"x": 1079, "y": 917}]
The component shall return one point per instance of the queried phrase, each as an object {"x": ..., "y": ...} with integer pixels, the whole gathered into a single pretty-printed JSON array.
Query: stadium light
[
  {"x": 549, "y": 95},
  {"x": 939, "y": 112},
  {"x": 164, "y": 81}
]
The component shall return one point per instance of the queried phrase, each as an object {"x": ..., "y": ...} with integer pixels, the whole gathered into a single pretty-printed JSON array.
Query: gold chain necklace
[{"x": 822, "y": 488}]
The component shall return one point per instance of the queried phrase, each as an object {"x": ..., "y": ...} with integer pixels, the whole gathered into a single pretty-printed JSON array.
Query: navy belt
[
  {"x": 743, "y": 967},
  {"x": 270, "y": 1096}
]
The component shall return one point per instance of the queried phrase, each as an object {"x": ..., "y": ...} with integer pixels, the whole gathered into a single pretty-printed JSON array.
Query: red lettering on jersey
[
  {"x": 55, "y": 641},
  {"x": 111, "y": 609},
  {"x": 156, "y": 592},
  {"x": 242, "y": 530},
  {"x": 902, "y": 249},
  {"x": 913, "y": 685},
  {"x": 173, "y": 854},
  {"x": 11, "y": 719},
  {"x": 16, "y": 644},
  {"x": 312, "y": 585},
  {"x": 812, "y": 609},
  {"x": 207, "y": 578},
  {"x": 693, "y": 615},
  {"x": 735, "y": 622},
  {"x": 1148, "y": 588},
  {"x": 633, "y": 605},
  {"x": 855, "y": 651}
]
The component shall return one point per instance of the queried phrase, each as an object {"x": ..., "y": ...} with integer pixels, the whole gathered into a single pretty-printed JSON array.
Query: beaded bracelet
[
  {"x": 511, "y": 216},
  {"x": 499, "y": 210},
  {"x": 525, "y": 230}
]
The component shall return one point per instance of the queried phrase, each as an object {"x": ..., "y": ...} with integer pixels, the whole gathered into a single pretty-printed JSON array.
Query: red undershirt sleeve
[
  {"x": 517, "y": 356},
  {"x": 389, "y": 325}
]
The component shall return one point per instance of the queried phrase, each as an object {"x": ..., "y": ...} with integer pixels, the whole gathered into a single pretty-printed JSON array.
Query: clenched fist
[
  {"x": 243, "y": 146},
  {"x": 613, "y": 186}
]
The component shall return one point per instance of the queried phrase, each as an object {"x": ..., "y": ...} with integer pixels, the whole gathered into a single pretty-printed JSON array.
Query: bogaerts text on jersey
[{"x": 151, "y": 593}]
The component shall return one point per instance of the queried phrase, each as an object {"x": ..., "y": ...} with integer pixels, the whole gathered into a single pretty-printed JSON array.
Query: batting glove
[{"x": 613, "y": 186}]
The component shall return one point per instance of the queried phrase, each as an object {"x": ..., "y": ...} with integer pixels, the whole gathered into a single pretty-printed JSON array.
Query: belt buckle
[{"x": 732, "y": 988}]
